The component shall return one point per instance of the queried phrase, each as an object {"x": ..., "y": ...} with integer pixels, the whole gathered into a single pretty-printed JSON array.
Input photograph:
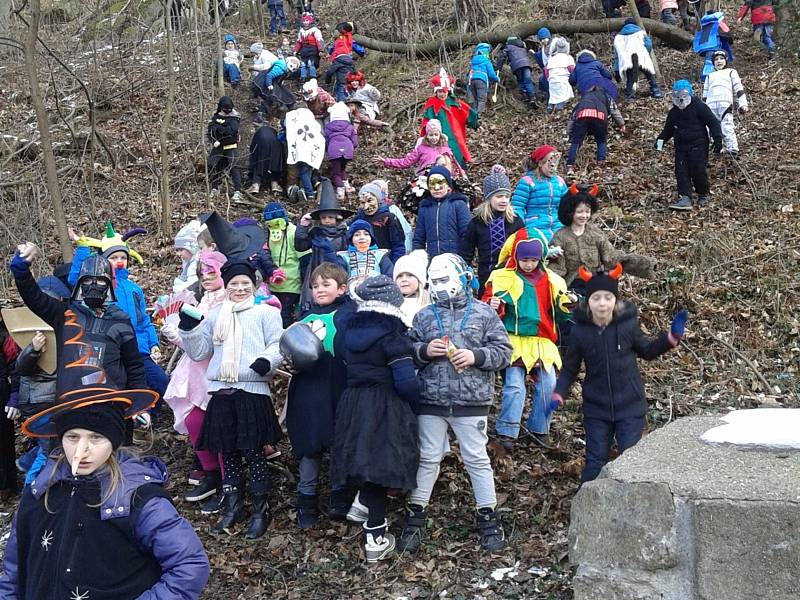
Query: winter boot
[
  {"x": 358, "y": 513},
  {"x": 339, "y": 504},
  {"x": 212, "y": 505},
  {"x": 493, "y": 539},
  {"x": 413, "y": 525},
  {"x": 307, "y": 511},
  {"x": 237, "y": 196},
  {"x": 254, "y": 188},
  {"x": 208, "y": 486},
  {"x": 261, "y": 517},
  {"x": 276, "y": 187},
  {"x": 378, "y": 544},
  {"x": 232, "y": 510}
]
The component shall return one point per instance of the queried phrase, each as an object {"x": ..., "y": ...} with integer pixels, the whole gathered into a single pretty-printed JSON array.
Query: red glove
[{"x": 278, "y": 276}]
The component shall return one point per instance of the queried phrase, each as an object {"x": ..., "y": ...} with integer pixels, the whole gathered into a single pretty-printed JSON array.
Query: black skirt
[
  {"x": 375, "y": 440},
  {"x": 239, "y": 421}
]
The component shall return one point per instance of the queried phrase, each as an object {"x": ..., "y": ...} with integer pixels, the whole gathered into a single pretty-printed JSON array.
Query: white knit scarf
[{"x": 228, "y": 332}]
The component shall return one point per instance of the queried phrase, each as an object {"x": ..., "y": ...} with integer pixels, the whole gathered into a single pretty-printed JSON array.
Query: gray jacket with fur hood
[{"x": 470, "y": 324}]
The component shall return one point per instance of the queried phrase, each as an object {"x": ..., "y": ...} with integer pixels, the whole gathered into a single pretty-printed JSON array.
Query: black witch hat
[
  {"x": 326, "y": 199},
  {"x": 234, "y": 242}
]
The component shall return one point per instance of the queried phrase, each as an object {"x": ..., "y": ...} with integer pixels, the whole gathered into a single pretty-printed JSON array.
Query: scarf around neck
[{"x": 228, "y": 332}]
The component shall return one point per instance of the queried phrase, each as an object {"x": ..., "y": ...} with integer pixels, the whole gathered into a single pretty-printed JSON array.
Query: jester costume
[{"x": 454, "y": 115}]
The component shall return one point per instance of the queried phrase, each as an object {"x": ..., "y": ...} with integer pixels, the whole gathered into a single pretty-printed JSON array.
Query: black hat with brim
[
  {"x": 234, "y": 242},
  {"x": 327, "y": 202}
]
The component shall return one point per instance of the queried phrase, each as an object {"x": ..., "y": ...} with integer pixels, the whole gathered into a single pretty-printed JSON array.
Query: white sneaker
[
  {"x": 276, "y": 187},
  {"x": 237, "y": 195},
  {"x": 254, "y": 188},
  {"x": 358, "y": 513},
  {"x": 214, "y": 193},
  {"x": 377, "y": 543}
]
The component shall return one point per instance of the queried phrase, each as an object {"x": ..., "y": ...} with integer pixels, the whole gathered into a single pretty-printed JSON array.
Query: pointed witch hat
[
  {"x": 82, "y": 383},
  {"x": 327, "y": 202},
  {"x": 234, "y": 242}
]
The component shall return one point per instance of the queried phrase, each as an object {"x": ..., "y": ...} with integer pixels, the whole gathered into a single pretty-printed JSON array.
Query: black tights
[
  {"x": 257, "y": 463},
  {"x": 374, "y": 498}
]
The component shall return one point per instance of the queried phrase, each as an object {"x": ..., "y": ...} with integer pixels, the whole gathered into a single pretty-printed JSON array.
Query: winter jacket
[
  {"x": 386, "y": 231},
  {"x": 278, "y": 69},
  {"x": 595, "y": 104},
  {"x": 323, "y": 242},
  {"x": 231, "y": 57},
  {"x": 130, "y": 298},
  {"x": 691, "y": 125},
  {"x": 224, "y": 129},
  {"x": 309, "y": 38},
  {"x": 591, "y": 249},
  {"x": 481, "y": 67},
  {"x": 628, "y": 42},
  {"x": 374, "y": 261},
  {"x": 469, "y": 324},
  {"x": 478, "y": 239},
  {"x": 612, "y": 388},
  {"x": 110, "y": 330},
  {"x": 340, "y": 67},
  {"x": 287, "y": 258},
  {"x": 133, "y": 546},
  {"x": 315, "y": 393},
  {"x": 441, "y": 223},
  {"x": 341, "y": 140},
  {"x": 535, "y": 200},
  {"x": 722, "y": 86},
  {"x": 35, "y": 386},
  {"x": 761, "y": 12},
  {"x": 261, "y": 331},
  {"x": 515, "y": 54},
  {"x": 421, "y": 157},
  {"x": 587, "y": 70},
  {"x": 319, "y": 106}
]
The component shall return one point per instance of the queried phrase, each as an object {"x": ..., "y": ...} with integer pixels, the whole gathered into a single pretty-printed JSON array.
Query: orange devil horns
[
  {"x": 573, "y": 188},
  {"x": 616, "y": 271},
  {"x": 613, "y": 273},
  {"x": 593, "y": 191},
  {"x": 584, "y": 274}
]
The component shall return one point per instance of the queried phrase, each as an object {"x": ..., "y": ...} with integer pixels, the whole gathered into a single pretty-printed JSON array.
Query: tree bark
[
  {"x": 50, "y": 170},
  {"x": 672, "y": 36},
  {"x": 166, "y": 204},
  {"x": 470, "y": 15},
  {"x": 405, "y": 21},
  {"x": 218, "y": 34}
]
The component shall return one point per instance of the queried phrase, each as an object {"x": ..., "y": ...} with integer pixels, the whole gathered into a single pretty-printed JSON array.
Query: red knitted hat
[{"x": 539, "y": 154}]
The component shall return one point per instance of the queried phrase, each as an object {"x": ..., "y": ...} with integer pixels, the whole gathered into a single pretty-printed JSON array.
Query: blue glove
[
  {"x": 18, "y": 266},
  {"x": 678, "y": 326}
]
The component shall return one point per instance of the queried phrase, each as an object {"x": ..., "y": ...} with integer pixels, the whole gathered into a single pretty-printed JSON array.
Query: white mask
[{"x": 448, "y": 277}]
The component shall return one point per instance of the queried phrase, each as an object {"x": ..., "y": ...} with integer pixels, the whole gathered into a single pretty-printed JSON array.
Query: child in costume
[
  {"x": 314, "y": 394},
  {"x": 453, "y": 114},
  {"x": 410, "y": 275},
  {"x": 387, "y": 232},
  {"x": 187, "y": 392},
  {"x": 591, "y": 115},
  {"x": 632, "y": 48},
  {"x": 277, "y": 17},
  {"x": 282, "y": 248},
  {"x": 240, "y": 337},
  {"x": 719, "y": 91},
  {"x": 267, "y": 159},
  {"x": 558, "y": 71},
  {"x": 341, "y": 141},
  {"x": 305, "y": 147},
  {"x": 428, "y": 148},
  {"x": 515, "y": 54},
  {"x": 535, "y": 198},
  {"x": 492, "y": 223},
  {"x": 223, "y": 134},
  {"x": 363, "y": 259},
  {"x": 531, "y": 300},
  {"x": 481, "y": 73},
  {"x": 459, "y": 345},
  {"x": 186, "y": 249},
  {"x": 231, "y": 60},
  {"x": 96, "y": 522},
  {"x": 542, "y": 55},
  {"x": 324, "y": 238},
  {"x": 668, "y": 11},
  {"x": 762, "y": 17},
  {"x": 129, "y": 296},
  {"x": 689, "y": 121},
  {"x": 308, "y": 47},
  {"x": 375, "y": 437},
  {"x": 713, "y": 34},
  {"x": 443, "y": 215},
  {"x": 607, "y": 338},
  {"x": 362, "y": 98}
]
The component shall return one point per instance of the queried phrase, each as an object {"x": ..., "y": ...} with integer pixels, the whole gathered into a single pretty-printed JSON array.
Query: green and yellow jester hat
[{"x": 114, "y": 242}]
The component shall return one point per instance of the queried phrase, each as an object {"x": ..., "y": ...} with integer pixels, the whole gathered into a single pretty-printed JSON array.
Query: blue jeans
[
  {"x": 230, "y": 73},
  {"x": 524, "y": 81},
  {"x": 304, "y": 173},
  {"x": 600, "y": 434},
  {"x": 275, "y": 15},
  {"x": 513, "y": 401},
  {"x": 154, "y": 375},
  {"x": 766, "y": 35},
  {"x": 580, "y": 129}
]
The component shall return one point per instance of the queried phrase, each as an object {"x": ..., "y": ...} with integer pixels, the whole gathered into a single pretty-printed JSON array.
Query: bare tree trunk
[
  {"x": 470, "y": 15},
  {"x": 166, "y": 209},
  {"x": 262, "y": 32},
  {"x": 218, "y": 32},
  {"x": 405, "y": 21},
  {"x": 638, "y": 18},
  {"x": 50, "y": 170}
]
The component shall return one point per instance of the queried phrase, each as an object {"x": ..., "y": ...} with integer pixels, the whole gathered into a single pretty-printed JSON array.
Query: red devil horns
[
  {"x": 584, "y": 274},
  {"x": 573, "y": 188},
  {"x": 593, "y": 191},
  {"x": 616, "y": 271}
]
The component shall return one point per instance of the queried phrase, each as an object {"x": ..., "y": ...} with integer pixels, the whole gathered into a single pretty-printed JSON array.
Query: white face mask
[{"x": 447, "y": 277}]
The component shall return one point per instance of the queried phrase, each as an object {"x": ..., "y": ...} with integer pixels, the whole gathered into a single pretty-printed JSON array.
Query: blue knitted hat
[
  {"x": 682, "y": 84},
  {"x": 544, "y": 34},
  {"x": 274, "y": 210},
  {"x": 357, "y": 225},
  {"x": 444, "y": 172}
]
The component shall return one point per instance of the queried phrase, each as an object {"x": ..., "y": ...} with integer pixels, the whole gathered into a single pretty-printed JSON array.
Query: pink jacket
[
  {"x": 421, "y": 157},
  {"x": 188, "y": 386}
]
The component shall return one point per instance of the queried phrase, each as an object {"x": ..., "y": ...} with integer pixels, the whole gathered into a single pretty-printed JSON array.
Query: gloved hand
[
  {"x": 278, "y": 276},
  {"x": 170, "y": 332},
  {"x": 216, "y": 144},
  {"x": 678, "y": 326},
  {"x": 18, "y": 266},
  {"x": 261, "y": 366},
  {"x": 717, "y": 147},
  {"x": 12, "y": 412},
  {"x": 189, "y": 318},
  {"x": 270, "y": 88}
]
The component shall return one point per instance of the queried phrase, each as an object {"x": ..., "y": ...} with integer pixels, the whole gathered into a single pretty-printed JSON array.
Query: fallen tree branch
[
  {"x": 764, "y": 383},
  {"x": 672, "y": 36}
]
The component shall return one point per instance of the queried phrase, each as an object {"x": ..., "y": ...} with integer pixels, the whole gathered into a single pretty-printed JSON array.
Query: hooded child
[
  {"x": 363, "y": 259},
  {"x": 387, "y": 232},
  {"x": 267, "y": 159},
  {"x": 589, "y": 71},
  {"x": 309, "y": 47},
  {"x": 375, "y": 443},
  {"x": 537, "y": 194},
  {"x": 362, "y": 98},
  {"x": 318, "y": 101},
  {"x": 386, "y": 199},
  {"x": 314, "y": 394},
  {"x": 516, "y": 55},
  {"x": 453, "y": 114},
  {"x": 632, "y": 48},
  {"x": 560, "y": 65},
  {"x": 443, "y": 215},
  {"x": 223, "y": 135},
  {"x": 606, "y": 337},
  {"x": 341, "y": 141},
  {"x": 459, "y": 346},
  {"x": 481, "y": 74},
  {"x": 186, "y": 249},
  {"x": 341, "y": 56},
  {"x": 724, "y": 93},
  {"x": 590, "y": 116},
  {"x": 542, "y": 56},
  {"x": 531, "y": 301},
  {"x": 493, "y": 221},
  {"x": 231, "y": 60},
  {"x": 689, "y": 122}
]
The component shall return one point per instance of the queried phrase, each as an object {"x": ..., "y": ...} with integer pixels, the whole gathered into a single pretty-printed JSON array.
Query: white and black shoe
[
  {"x": 207, "y": 487},
  {"x": 378, "y": 544}
]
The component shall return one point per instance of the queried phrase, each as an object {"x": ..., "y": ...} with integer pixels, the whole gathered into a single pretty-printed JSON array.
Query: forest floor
[{"x": 733, "y": 264}]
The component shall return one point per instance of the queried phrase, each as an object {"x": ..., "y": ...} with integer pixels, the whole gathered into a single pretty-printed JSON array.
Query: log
[{"x": 670, "y": 35}]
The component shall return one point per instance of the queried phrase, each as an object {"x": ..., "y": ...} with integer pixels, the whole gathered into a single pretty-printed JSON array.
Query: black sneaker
[
  {"x": 212, "y": 505},
  {"x": 206, "y": 488},
  {"x": 702, "y": 201},
  {"x": 493, "y": 538},
  {"x": 413, "y": 526}
]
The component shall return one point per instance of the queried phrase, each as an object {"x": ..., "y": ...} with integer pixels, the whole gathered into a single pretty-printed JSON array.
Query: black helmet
[{"x": 95, "y": 266}]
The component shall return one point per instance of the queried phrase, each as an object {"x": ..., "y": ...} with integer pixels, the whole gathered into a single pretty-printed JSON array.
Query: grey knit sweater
[{"x": 261, "y": 334}]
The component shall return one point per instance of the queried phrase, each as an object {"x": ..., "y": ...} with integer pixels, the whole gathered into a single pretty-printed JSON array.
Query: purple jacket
[
  {"x": 341, "y": 139},
  {"x": 159, "y": 529},
  {"x": 421, "y": 157}
]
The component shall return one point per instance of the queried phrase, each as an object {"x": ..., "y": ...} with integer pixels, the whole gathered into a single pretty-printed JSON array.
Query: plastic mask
[
  {"x": 276, "y": 227},
  {"x": 448, "y": 278},
  {"x": 436, "y": 183},
  {"x": 681, "y": 98}
]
